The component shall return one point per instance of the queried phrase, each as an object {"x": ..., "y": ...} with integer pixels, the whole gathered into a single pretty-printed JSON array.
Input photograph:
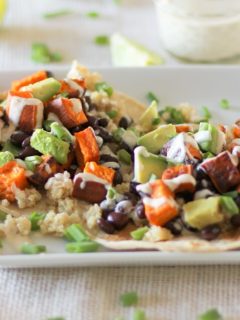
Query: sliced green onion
[
  {"x": 92, "y": 14},
  {"x": 139, "y": 233},
  {"x": 206, "y": 113},
  {"x": 81, "y": 247},
  {"x": 32, "y": 161},
  {"x": 175, "y": 116},
  {"x": 111, "y": 193},
  {"x": 151, "y": 97},
  {"x": 124, "y": 156},
  {"x": 224, "y": 104},
  {"x": 129, "y": 299},
  {"x": 229, "y": 205},
  {"x": 139, "y": 315},
  {"x": 207, "y": 155},
  {"x": 47, "y": 124},
  {"x": 35, "y": 219},
  {"x": 117, "y": 134},
  {"x": 29, "y": 248},
  {"x": 112, "y": 113},
  {"x": 232, "y": 194},
  {"x": 103, "y": 86},
  {"x": 75, "y": 232},
  {"x": 41, "y": 54},
  {"x": 102, "y": 40},
  {"x": 211, "y": 314},
  {"x": 156, "y": 121},
  {"x": 56, "y": 14}
]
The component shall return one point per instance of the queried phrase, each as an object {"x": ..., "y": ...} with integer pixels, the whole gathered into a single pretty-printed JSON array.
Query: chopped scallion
[
  {"x": 129, "y": 299},
  {"x": 229, "y": 205},
  {"x": 56, "y": 14},
  {"x": 151, "y": 97},
  {"x": 81, "y": 247},
  {"x": 103, "y": 86},
  {"x": 206, "y": 113},
  {"x": 211, "y": 314},
  {"x": 41, "y": 54},
  {"x": 112, "y": 113},
  {"x": 102, "y": 40},
  {"x": 124, "y": 156},
  {"x": 224, "y": 104},
  {"x": 139, "y": 233},
  {"x": 111, "y": 193},
  {"x": 92, "y": 14},
  {"x": 75, "y": 232},
  {"x": 29, "y": 248},
  {"x": 156, "y": 121},
  {"x": 117, "y": 134},
  {"x": 35, "y": 219},
  {"x": 232, "y": 194}
]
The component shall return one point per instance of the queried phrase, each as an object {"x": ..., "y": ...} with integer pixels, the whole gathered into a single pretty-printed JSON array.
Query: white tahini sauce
[
  {"x": 236, "y": 150},
  {"x": 174, "y": 183},
  {"x": 202, "y": 194},
  {"x": 86, "y": 177},
  {"x": 144, "y": 188},
  {"x": 16, "y": 106},
  {"x": 74, "y": 85},
  {"x": 202, "y": 136},
  {"x": 158, "y": 202}
]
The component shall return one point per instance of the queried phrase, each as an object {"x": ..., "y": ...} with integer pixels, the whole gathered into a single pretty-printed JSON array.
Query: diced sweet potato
[
  {"x": 176, "y": 171},
  {"x": 27, "y": 121},
  {"x": 89, "y": 191},
  {"x": 86, "y": 147},
  {"x": 11, "y": 173},
  {"x": 45, "y": 170},
  {"x": 64, "y": 109},
  {"x": 72, "y": 91},
  {"x": 161, "y": 215},
  {"x": 222, "y": 171},
  {"x": 33, "y": 78},
  {"x": 100, "y": 171},
  {"x": 160, "y": 189}
]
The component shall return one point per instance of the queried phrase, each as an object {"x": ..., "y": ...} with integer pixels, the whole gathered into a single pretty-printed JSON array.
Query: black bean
[
  {"x": 49, "y": 74},
  {"x": 210, "y": 232},
  {"x": 125, "y": 146},
  {"x": 235, "y": 220},
  {"x": 107, "y": 137},
  {"x": 108, "y": 158},
  {"x": 106, "y": 226},
  {"x": 18, "y": 137},
  {"x": 90, "y": 104},
  {"x": 26, "y": 142},
  {"x": 123, "y": 123},
  {"x": 132, "y": 188},
  {"x": 106, "y": 212},
  {"x": 187, "y": 196},
  {"x": 140, "y": 211},
  {"x": 175, "y": 226},
  {"x": 102, "y": 122},
  {"x": 237, "y": 200},
  {"x": 27, "y": 152},
  {"x": 5, "y": 118},
  {"x": 118, "y": 220},
  {"x": 92, "y": 121},
  {"x": 200, "y": 173},
  {"x": 76, "y": 129},
  {"x": 117, "y": 178},
  {"x": 131, "y": 196}
]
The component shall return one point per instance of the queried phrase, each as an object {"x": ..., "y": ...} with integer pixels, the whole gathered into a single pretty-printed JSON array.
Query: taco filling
[{"x": 76, "y": 152}]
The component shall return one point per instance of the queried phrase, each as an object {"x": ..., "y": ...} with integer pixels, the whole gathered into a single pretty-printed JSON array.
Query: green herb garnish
[
  {"x": 151, "y": 97},
  {"x": 229, "y": 205},
  {"x": 56, "y": 14},
  {"x": 156, "y": 121},
  {"x": 112, "y": 114},
  {"x": 124, "y": 156},
  {"x": 41, "y": 54},
  {"x": 129, "y": 299},
  {"x": 32, "y": 161},
  {"x": 102, "y": 40},
  {"x": 175, "y": 116},
  {"x": 211, "y": 314},
  {"x": 28, "y": 248},
  {"x": 35, "y": 219},
  {"x": 206, "y": 113},
  {"x": 232, "y": 194},
  {"x": 224, "y": 104},
  {"x": 139, "y": 233},
  {"x": 92, "y": 14},
  {"x": 117, "y": 134},
  {"x": 139, "y": 315},
  {"x": 103, "y": 86},
  {"x": 75, "y": 232},
  {"x": 81, "y": 247}
]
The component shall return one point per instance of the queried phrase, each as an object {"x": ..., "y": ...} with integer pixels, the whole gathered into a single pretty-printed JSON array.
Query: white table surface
[{"x": 166, "y": 293}]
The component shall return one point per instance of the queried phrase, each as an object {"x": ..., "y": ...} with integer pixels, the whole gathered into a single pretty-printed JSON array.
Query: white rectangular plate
[{"x": 200, "y": 86}]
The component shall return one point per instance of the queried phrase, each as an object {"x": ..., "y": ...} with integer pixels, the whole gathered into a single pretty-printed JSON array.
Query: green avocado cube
[
  {"x": 203, "y": 212},
  {"x": 5, "y": 157},
  {"x": 212, "y": 144},
  {"x": 46, "y": 143},
  {"x": 155, "y": 140},
  {"x": 146, "y": 164},
  {"x": 44, "y": 89},
  {"x": 148, "y": 116}
]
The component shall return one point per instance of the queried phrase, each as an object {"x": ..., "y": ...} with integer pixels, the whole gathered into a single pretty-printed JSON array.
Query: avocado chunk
[
  {"x": 44, "y": 89},
  {"x": 46, "y": 143},
  {"x": 156, "y": 139},
  {"x": 5, "y": 157},
  {"x": 148, "y": 116},
  {"x": 203, "y": 212},
  {"x": 146, "y": 164},
  {"x": 214, "y": 141}
]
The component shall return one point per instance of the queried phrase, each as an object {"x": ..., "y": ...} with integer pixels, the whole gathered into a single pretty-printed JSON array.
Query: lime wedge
[
  {"x": 126, "y": 52},
  {"x": 3, "y": 7}
]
